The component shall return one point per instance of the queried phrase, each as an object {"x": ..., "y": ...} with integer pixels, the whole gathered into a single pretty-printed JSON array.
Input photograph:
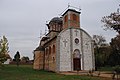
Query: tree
[
  {"x": 101, "y": 51},
  {"x": 99, "y": 40},
  {"x": 3, "y": 49},
  {"x": 114, "y": 58},
  {"x": 25, "y": 59},
  {"x": 112, "y": 21},
  {"x": 17, "y": 58}
]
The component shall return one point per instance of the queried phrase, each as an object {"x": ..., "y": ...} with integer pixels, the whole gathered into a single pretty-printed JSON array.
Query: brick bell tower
[{"x": 71, "y": 18}]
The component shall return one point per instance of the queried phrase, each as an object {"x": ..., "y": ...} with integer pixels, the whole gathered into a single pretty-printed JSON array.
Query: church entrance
[
  {"x": 76, "y": 60},
  {"x": 77, "y": 65}
]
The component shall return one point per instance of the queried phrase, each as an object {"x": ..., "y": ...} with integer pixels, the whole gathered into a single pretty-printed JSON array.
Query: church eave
[
  {"x": 50, "y": 40},
  {"x": 45, "y": 38},
  {"x": 71, "y": 10}
]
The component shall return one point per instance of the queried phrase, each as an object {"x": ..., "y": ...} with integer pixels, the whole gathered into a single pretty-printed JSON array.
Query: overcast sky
[{"x": 21, "y": 21}]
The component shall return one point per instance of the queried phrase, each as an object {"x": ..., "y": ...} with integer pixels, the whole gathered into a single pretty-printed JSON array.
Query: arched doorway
[{"x": 76, "y": 60}]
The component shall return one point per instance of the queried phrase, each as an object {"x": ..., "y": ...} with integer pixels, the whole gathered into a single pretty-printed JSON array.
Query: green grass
[
  {"x": 105, "y": 68},
  {"x": 24, "y": 72}
]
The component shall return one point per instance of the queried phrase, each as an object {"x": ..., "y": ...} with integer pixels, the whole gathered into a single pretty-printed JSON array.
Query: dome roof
[{"x": 56, "y": 20}]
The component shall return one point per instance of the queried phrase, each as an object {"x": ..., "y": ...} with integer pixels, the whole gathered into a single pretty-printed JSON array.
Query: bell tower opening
[{"x": 71, "y": 18}]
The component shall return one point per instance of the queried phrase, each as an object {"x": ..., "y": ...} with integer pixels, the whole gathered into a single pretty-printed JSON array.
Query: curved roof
[
  {"x": 56, "y": 20},
  {"x": 74, "y": 28}
]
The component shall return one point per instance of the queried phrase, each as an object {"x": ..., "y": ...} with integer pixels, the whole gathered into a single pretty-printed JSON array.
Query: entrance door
[{"x": 76, "y": 63}]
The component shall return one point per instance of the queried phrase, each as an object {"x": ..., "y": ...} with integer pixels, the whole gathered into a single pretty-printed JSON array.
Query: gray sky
[{"x": 22, "y": 20}]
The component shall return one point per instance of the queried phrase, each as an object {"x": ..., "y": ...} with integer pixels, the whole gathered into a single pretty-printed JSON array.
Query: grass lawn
[
  {"x": 25, "y": 72},
  {"x": 105, "y": 69}
]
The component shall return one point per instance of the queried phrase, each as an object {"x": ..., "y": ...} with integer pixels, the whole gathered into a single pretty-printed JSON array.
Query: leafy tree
[
  {"x": 114, "y": 58},
  {"x": 3, "y": 49},
  {"x": 112, "y": 21},
  {"x": 25, "y": 58},
  {"x": 101, "y": 55},
  {"x": 17, "y": 58},
  {"x": 101, "y": 51}
]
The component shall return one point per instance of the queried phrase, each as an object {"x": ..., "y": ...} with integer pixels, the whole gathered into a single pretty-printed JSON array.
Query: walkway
[{"x": 103, "y": 74}]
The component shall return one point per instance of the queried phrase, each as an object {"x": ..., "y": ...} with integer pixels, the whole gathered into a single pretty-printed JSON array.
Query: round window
[{"x": 76, "y": 40}]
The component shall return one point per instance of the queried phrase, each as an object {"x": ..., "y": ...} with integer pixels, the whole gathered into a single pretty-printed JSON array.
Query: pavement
[{"x": 104, "y": 74}]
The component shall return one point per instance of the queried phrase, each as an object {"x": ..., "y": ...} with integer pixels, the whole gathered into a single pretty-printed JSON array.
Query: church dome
[
  {"x": 56, "y": 20},
  {"x": 55, "y": 24}
]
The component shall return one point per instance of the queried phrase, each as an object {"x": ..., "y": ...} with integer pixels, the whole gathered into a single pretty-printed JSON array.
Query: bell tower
[{"x": 71, "y": 18}]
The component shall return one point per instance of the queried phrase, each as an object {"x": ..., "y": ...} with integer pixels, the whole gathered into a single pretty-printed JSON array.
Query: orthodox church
[{"x": 66, "y": 47}]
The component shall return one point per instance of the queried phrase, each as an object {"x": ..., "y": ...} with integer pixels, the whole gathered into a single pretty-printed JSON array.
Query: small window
[
  {"x": 49, "y": 50},
  {"x": 74, "y": 17},
  {"x": 76, "y": 40},
  {"x": 53, "y": 48},
  {"x": 46, "y": 52},
  {"x": 53, "y": 60},
  {"x": 66, "y": 18},
  {"x": 54, "y": 27}
]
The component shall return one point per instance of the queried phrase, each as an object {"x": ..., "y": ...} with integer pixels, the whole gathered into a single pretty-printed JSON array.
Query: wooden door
[{"x": 77, "y": 64}]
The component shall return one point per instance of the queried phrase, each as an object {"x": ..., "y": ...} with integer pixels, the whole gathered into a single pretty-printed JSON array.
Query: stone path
[{"x": 103, "y": 74}]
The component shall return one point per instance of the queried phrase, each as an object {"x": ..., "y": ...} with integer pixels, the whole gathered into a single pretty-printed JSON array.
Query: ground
[{"x": 25, "y": 72}]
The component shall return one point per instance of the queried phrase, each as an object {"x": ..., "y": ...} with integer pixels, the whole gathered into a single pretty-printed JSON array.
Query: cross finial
[{"x": 68, "y": 5}]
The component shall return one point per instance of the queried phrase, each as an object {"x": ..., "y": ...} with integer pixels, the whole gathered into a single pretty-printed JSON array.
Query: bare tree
[
  {"x": 112, "y": 21},
  {"x": 99, "y": 40}
]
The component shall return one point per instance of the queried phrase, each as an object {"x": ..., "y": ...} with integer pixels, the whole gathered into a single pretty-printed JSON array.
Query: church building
[{"x": 66, "y": 47}]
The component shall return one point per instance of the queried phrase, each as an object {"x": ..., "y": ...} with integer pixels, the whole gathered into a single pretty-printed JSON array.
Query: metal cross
[{"x": 65, "y": 42}]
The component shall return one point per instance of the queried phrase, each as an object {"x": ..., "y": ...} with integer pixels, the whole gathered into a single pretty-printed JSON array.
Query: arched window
[
  {"x": 66, "y": 18},
  {"x": 49, "y": 50},
  {"x": 53, "y": 48},
  {"x": 74, "y": 17},
  {"x": 46, "y": 52},
  {"x": 53, "y": 59},
  {"x": 76, "y": 53}
]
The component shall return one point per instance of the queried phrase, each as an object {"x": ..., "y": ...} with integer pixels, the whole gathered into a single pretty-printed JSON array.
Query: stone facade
[
  {"x": 66, "y": 47},
  {"x": 38, "y": 61}
]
